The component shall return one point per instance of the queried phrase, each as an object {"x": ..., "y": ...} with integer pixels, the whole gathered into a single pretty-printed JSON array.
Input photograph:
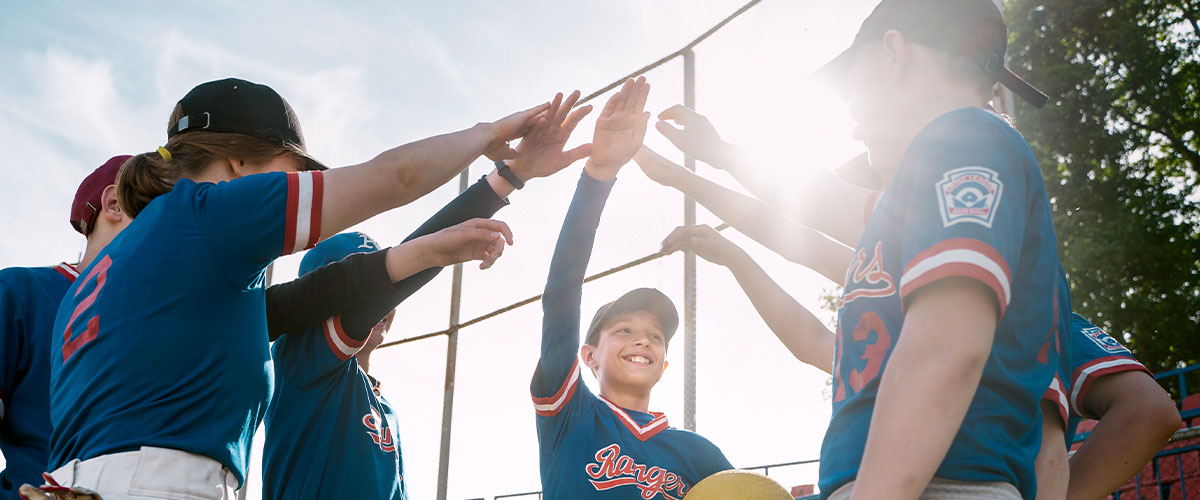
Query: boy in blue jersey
[
  {"x": 949, "y": 322},
  {"x": 956, "y": 257},
  {"x": 329, "y": 431},
  {"x": 1137, "y": 417},
  {"x": 29, "y": 298},
  {"x": 608, "y": 445}
]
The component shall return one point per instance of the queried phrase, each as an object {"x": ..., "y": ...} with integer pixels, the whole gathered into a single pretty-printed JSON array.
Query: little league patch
[
  {"x": 969, "y": 194},
  {"x": 1103, "y": 340}
]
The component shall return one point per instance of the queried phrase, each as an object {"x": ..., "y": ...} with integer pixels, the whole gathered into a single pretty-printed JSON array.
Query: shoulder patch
[
  {"x": 969, "y": 194},
  {"x": 1104, "y": 340}
]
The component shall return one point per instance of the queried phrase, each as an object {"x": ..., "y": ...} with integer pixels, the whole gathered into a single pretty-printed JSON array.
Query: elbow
[
  {"x": 1165, "y": 418},
  {"x": 1158, "y": 412},
  {"x": 406, "y": 179},
  {"x": 1154, "y": 413},
  {"x": 402, "y": 175}
]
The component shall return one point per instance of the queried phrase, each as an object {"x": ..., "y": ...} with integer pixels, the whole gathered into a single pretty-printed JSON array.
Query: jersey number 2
[{"x": 70, "y": 345}]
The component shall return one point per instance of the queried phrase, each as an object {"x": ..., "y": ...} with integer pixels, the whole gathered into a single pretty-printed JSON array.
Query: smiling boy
[{"x": 609, "y": 445}]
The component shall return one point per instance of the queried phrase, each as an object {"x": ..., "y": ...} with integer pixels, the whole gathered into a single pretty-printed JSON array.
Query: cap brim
[
  {"x": 834, "y": 71},
  {"x": 641, "y": 299},
  {"x": 1021, "y": 88},
  {"x": 310, "y": 163}
]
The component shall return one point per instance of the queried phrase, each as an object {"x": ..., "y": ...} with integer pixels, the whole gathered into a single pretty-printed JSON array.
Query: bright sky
[{"x": 91, "y": 81}]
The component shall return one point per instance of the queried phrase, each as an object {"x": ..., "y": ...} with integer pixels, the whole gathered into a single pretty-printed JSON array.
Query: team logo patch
[
  {"x": 1104, "y": 340},
  {"x": 969, "y": 194},
  {"x": 367, "y": 242}
]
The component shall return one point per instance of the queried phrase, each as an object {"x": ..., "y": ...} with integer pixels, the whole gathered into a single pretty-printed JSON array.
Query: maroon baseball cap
[{"x": 87, "y": 204}]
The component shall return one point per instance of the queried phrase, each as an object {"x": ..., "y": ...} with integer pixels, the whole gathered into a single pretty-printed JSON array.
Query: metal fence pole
[
  {"x": 689, "y": 265},
  {"x": 451, "y": 359}
]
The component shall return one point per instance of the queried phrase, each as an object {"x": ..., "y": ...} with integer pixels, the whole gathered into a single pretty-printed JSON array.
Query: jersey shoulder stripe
[
  {"x": 68, "y": 271},
  {"x": 1091, "y": 371},
  {"x": 305, "y": 191},
  {"x": 550, "y": 406},
  {"x": 1057, "y": 394},
  {"x": 959, "y": 257},
  {"x": 342, "y": 345}
]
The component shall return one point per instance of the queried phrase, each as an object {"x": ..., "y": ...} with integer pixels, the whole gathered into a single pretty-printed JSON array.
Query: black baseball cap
[
  {"x": 639, "y": 299},
  {"x": 237, "y": 106},
  {"x": 974, "y": 29}
]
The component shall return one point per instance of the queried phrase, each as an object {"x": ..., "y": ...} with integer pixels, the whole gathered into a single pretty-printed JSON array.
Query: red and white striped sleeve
[
  {"x": 305, "y": 191},
  {"x": 551, "y": 405},
  {"x": 1057, "y": 394},
  {"x": 1088, "y": 373},
  {"x": 959, "y": 257},
  {"x": 343, "y": 346}
]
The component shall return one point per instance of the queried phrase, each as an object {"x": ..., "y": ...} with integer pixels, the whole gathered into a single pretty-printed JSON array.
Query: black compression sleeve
[
  {"x": 326, "y": 292},
  {"x": 477, "y": 201}
]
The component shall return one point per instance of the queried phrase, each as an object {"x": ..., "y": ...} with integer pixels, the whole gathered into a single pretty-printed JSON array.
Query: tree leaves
[{"x": 1119, "y": 147}]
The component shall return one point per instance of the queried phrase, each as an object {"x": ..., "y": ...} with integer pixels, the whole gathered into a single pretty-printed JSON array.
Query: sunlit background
[{"x": 85, "y": 81}]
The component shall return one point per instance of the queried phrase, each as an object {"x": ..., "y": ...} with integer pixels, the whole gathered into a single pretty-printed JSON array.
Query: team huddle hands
[
  {"x": 949, "y": 290},
  {"x": 619, "y": 133}
]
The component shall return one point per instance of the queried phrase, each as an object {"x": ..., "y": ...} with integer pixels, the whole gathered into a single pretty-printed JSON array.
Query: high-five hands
[
  {"x": 620, "y": 130},
  {"x": 706, "y": 242},
  {"x": 540, "y": 152},
  {"x": 476, "y": 239},
  {"x": 511, "y": 127},
  {"x": 698, "y": 138}
]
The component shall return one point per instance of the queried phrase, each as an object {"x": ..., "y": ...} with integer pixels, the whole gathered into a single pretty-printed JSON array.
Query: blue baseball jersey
[
  {"x": 1094, "y": 354},
  {"x": 162, "y": 341},
  {"x": 967, "y": 201},
  {"x": 590, "y": 447},
  {"x": 1057, "y": 394},
  {"x": 29, "y": 298},
  {"x": 330, "y": 434}
]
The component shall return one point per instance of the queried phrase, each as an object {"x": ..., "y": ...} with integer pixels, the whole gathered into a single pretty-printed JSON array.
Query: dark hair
[{"x": 146, "y": 176}]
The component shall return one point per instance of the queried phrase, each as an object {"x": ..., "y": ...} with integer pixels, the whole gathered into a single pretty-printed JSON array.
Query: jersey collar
[{"x": 656, "y": 424}]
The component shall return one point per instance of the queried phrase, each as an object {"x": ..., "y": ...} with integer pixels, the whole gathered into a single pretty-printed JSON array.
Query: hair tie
[{"x": 166, "y": 155}]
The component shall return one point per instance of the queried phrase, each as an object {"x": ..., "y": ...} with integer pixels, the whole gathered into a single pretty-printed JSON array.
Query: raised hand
[
  {"x": 620, "y": 129},
  {"x": 476, "y": 239},
  {"x": 697, "y": 138},
  {"x": 511, "y": 127},
  {"x": 706, "y": 242},
  {"x": 657, "y": 168},
  {"x": 540, "y": 152}
]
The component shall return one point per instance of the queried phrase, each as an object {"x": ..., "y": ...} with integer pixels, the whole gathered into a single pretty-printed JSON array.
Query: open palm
[
  {"x": 540, "y": 153},
  {"x": 621, "y": 126}
]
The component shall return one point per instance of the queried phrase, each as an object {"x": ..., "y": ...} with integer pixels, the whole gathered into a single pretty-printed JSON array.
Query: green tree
[{"x": 1119, "y": 150}]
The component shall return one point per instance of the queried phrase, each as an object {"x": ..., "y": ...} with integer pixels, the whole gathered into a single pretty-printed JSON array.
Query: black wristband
[{"x": 508, "y": 175}]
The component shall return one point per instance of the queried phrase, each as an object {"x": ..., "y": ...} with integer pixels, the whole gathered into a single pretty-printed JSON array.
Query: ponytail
[{"x": 141, "y": 179}]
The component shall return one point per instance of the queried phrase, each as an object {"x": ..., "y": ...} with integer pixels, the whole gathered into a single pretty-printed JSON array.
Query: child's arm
[
  {"x": 800, "y": 331},
  {"x": 795, "y": 242}
]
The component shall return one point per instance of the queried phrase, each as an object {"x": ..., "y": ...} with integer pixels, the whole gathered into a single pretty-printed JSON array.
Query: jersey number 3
[
  {"x": 99, "y": 272},
  {"x": 873, "y": 353}
]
